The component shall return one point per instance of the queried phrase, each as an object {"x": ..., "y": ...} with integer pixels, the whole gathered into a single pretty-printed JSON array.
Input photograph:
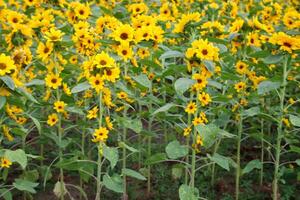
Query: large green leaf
[
  {"x": 143, "y": 80},
  {"x": 175, "y": 150},
  {"x": 8, "y": 81},
  {"x": 2, "y": 102},
  {"x": 295, "y": 120},
  {"x": 18, "y": 156},
  {"x": 134, "y": 174},
  {"x": 133, "y": 124},
  {"x": 156, "y": 158},
  {"x": 113, "y": 183},
  {"x": 188, "y": 193},
  {"x": 163, "y": 108},
  {"x": 25, "y": 185},
  {"x": 183, "y": 84},
  {"x": 6, "y": 194},
  {"x": 111, "y": 154},
  {"x": 253, "y": 164},
  {"x": 222, "y": 161},
  {"x": 209, "y": 134},
  {"x": 272, "y": 59},
  {"x": 267, "y": 86},
  {"x": 81, "y": 87}
]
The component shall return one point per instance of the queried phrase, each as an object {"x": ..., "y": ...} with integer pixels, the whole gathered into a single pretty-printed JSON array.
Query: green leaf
[
  {"x": 171, "y": 54},
  {"x": 133, "y": 174},
  {"x": 188, "y": 193},
  {"x": 177, "y": 171},
  {"x": 295, "y": 120},
  {"x": 18, "y": 156},
  {"x": 267, "y": 86},
  {"x": 209, "y": 65},
  {"x": 183, "y": 84},
  {"x": 2, "y": 102},
  {"x": 113, "y": 183},
  {"x": 81, "y": 87},
  {"x": 208, "y": 133},
  {"x": 122, "y": 144},
  {"x": 163, "y": 108},
  {"x": 8, "y": 81},
  {"x": 135, "y": 124},
  {"x": 27, "y": 95},
  {"x": 251, "y": 112},
  {"x": 175, "y": 150},
  {"x": 6, "y": 194},
  {"x": 111, "y": 154},
  {"x": 253, "y": 164},
  {"x": 295, "y": 149},
  {"x": 272, "y": 59},
  {"x": 59, "y": 189},
  {"x": 260, "y": 54},
  {"x": 143, "y": 80},
  {"x": 36, "y": 123},
  {"x": 222, "y": 161},
  {"x": 25, "y": 185},
  {"x": 35, "y": 82},
  {"x": 297, "y": 162},
  {"x": 156, "y": 158}
]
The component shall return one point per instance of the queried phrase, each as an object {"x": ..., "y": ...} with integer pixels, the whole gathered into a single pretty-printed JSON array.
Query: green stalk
[
  {"x": 238, "y": 159},
  {"x": 99, "y": 152},
  {"x": 280, "y": 132},
  {"x": 186, "y": 177},
  {"x": 124, "y": 157},
  {"x": 212, "y": 182},
  {"x": 61, "y": 158},
  {"x": 140, "y": 141},
  {"x": 262, "y": 153},
  {"x": 149, "y": 154}
]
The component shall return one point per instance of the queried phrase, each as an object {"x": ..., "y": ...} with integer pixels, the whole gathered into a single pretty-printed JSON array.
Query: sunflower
[
  {"x": 6, "y": 65},
  {"x": 123, "y": 33},
  {"x": 96, "y": 82},
  {"x": 14, "y": 18},
  {"x": 203, "y": 50},
  {"x": 111, "y": 74},
  {"x": 204, "y": 98},
  {"x": 104, "y": 60},
  {"x": 187, "y": 131},
  {"x": 100, "y": 134},
  {"x": 201, "y": 81},
  {"x": 253, "y": 39},
  {"x": 54, "y": 35},
  {"x": 109, "y": 124},
  {"x": 5, "y": 163},
  {"x": 82, "y": 11},
  {"x": 122, "y": 95},
  {"x": 52, "y": 119},
  {"x": 124, "y": 50},
  {"x": 92, "y": 114},
  {"x": 59, "y": 106},
  {"x": 240, "y": 86},
  {"x": 53, "y": 81},
  {"x": 286, "y": 42},
  {"x": 44, "y": 50},
  {"x": 7, "y": 134},
  {"x": 241, "y": 67},
  {"x": 191, "y": 108}
]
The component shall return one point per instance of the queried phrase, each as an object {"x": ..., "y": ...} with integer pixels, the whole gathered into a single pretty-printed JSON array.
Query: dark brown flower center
[
  {"x": 46, "y": 50},
  {"x": 54, "y": 80},
  {"x": 124, "y": 36},
  {"x": 3, "y": 66},
  {"x": 204, "y": 52}
]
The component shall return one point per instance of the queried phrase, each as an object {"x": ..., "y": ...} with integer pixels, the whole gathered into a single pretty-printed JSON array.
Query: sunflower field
[{"x": 149, "y": 99}]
